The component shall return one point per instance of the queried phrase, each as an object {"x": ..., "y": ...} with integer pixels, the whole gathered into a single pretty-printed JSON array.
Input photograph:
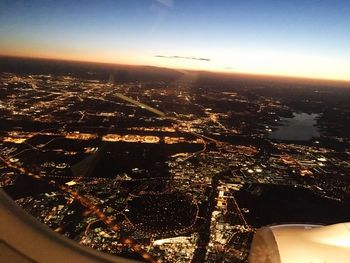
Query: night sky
[{"x": 305, "y": 38}]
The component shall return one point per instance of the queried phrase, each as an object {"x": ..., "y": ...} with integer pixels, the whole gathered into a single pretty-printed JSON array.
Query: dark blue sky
[{"x": 300, "y": 38}]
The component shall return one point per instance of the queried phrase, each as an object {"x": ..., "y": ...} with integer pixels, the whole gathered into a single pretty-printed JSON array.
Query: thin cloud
[
  {"x": 160, "y": 8},
  {"x": 182, "y": 57},
  {"x": 167, "y": 3}
]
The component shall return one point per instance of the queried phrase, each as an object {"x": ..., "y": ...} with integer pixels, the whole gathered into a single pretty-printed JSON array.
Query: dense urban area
[{"x": 171, "y": 165}]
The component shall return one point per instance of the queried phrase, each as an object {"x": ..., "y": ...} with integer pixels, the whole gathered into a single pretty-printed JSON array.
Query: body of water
[{"x": 302, "y": 127}]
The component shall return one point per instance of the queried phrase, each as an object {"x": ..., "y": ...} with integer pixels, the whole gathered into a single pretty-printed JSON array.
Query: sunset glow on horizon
[{"x": 299, "y": 39}]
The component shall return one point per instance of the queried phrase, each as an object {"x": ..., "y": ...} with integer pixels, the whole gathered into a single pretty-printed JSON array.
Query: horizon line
[{"x": 233, "y": 73}]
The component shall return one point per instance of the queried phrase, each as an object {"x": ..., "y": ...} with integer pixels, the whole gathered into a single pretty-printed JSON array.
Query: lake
[{"x": 302, "y": 127}]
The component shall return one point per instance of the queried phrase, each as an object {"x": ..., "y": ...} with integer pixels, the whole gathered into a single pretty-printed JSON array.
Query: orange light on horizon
[{"x": 255, "y": 63}]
